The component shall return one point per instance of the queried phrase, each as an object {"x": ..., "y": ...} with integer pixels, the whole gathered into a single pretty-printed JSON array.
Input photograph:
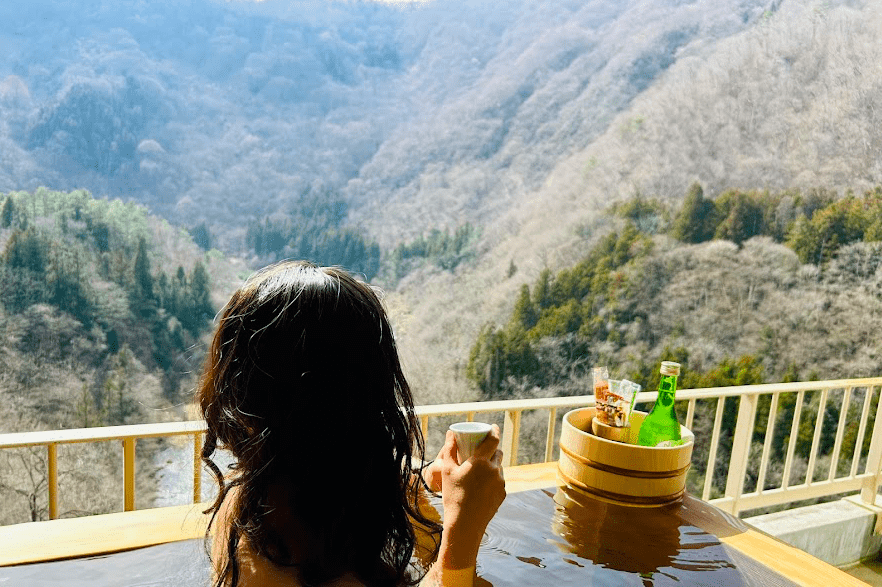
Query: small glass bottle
[
  {"x": 601, "y": 394},
  {"x": 661, "y": 424}
]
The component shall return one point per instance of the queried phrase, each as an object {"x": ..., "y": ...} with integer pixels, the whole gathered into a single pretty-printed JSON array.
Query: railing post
[
  {"x": 794, "y": 435},
  {"x": 840, "y": 432},
  {"x": 712, "y": 455},
  {"x": 690, "y": 414},
  {"x": 52, "y": 481},
  {"x": 549, "y": 438},
  {"x": 740, "y": 450},
  {"x": 129, "y": 474},
  {"x": 862, "y": 430},
  {"x": 874, "y": 461},
  {"x": 424, "y": 427},
  {"x": 510, "y": 432},
  {"x": 197, "y": 467},
  {"x": 816, "y": 437},
  {"x": 767, "y": 443}
]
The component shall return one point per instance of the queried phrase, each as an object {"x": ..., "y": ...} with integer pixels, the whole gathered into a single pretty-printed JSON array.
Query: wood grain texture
[
  {"x": 102, "y": 534},
  {"x": 798, "y": 566},
  {"x": 624, "y": 472}
]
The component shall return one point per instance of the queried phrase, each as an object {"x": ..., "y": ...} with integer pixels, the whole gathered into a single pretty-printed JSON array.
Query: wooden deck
[
  {"x": 87, "y": 536},
  {"x": 78, "y": 537}
]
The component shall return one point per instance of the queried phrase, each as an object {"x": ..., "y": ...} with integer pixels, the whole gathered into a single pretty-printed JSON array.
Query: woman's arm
[{"x": 471, "y": 493}]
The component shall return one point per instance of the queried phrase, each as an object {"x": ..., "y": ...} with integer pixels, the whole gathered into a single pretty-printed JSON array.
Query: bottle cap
[{"x": 670, "y": 368}]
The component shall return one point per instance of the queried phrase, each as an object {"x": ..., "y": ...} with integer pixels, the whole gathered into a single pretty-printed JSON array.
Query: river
[{"x": 174, "y": 476}]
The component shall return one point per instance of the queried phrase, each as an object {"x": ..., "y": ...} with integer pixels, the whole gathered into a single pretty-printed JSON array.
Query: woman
[{"x": 303, "y": 384}]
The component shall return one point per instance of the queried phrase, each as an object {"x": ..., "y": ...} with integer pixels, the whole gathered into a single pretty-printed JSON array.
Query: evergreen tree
[
  {"x": 841, "y": 223},
  {"x": 197, "y": 310},
  {"x": 115, "y": 405},
  {"x": 202, "y": 237},
  {"x": 697, "y": 220},
  {"x": 142, "y": 296},
  {"x": 805, "y": 240},
  {"x": 143, "y": 279},
  {"x": 7, "y": 213},
  {"x": 254, "y": 237},
  {"x": 101, "y": 233},
  {"x": 542, "y": 293},
  {"x": 26, "y": 250},
  {"x": 498, "y": 355},
  {"x": 71, "y": 294},
  {"x": 176, "y": 298},
  {"x": 485, "y": 360},
  {"x": 275, "y": 237},
  {"x": 525, "y": 313},
  {"x": 512, "y": 269},
  {"x": 743, "y": 217},
  {"x": 200, "y": 290},
  {"x": 649, "y": 216},
  {"x": 372, "y": 264}
]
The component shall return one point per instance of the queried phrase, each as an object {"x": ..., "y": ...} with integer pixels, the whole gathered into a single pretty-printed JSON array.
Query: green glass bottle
[{"x": 661, "y": 424}]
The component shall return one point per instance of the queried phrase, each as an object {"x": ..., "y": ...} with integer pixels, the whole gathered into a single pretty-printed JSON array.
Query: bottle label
[
  {"x": 602, "y": 399},
  {"x": 670, "y": 443}
]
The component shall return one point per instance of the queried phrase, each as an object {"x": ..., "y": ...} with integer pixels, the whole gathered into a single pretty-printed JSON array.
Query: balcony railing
[{"x": 734, "y": 500}]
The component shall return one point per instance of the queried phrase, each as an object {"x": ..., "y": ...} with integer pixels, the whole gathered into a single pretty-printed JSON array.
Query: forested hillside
[
  {"x": 789, "y": 103},
  {"x": 102, "y": 311},
  {"x": 314, "y": 230},
  {"x": 748, "y": 287},
  {"x": 421, "y": 115}
]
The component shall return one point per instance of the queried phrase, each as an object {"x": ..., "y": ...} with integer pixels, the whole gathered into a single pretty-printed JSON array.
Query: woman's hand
[
  {"x": 471, "y": 493},
  {"x": 432, "y": 475}
]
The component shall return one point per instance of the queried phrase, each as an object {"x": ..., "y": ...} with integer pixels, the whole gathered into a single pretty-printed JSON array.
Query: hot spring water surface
[{"x": 542, "y": 537}]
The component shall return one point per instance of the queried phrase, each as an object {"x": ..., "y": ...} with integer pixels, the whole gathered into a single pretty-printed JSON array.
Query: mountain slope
[
  {"x": 560, "y": 75},
  {"x": 788, "y": 103},
  {"x": 103, "y": 311},
  {"x": 526, "y": 122},
  {"x": 421, "y": 116}
]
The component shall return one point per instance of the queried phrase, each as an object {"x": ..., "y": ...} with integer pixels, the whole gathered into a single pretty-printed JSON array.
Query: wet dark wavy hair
[{"x": 302, "y": 383}]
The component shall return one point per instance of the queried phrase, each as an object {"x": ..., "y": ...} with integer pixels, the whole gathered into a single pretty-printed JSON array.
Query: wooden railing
[
  {"x": 128, "y": 435},
  {"x": 734, "y": 500}
]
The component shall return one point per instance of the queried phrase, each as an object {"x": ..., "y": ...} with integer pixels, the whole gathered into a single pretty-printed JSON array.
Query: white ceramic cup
[{"x": 468, "y": 436}]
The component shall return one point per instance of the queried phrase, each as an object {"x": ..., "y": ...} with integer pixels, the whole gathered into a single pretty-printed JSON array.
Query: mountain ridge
[{"x": 380, "y": 103}]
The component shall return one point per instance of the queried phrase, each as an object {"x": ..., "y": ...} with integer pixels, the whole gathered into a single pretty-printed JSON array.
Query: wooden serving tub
[{"x": 626, "y": 474}]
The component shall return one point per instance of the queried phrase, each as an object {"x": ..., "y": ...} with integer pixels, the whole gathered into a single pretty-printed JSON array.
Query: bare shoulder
[{"x": 255, "y": 570}]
